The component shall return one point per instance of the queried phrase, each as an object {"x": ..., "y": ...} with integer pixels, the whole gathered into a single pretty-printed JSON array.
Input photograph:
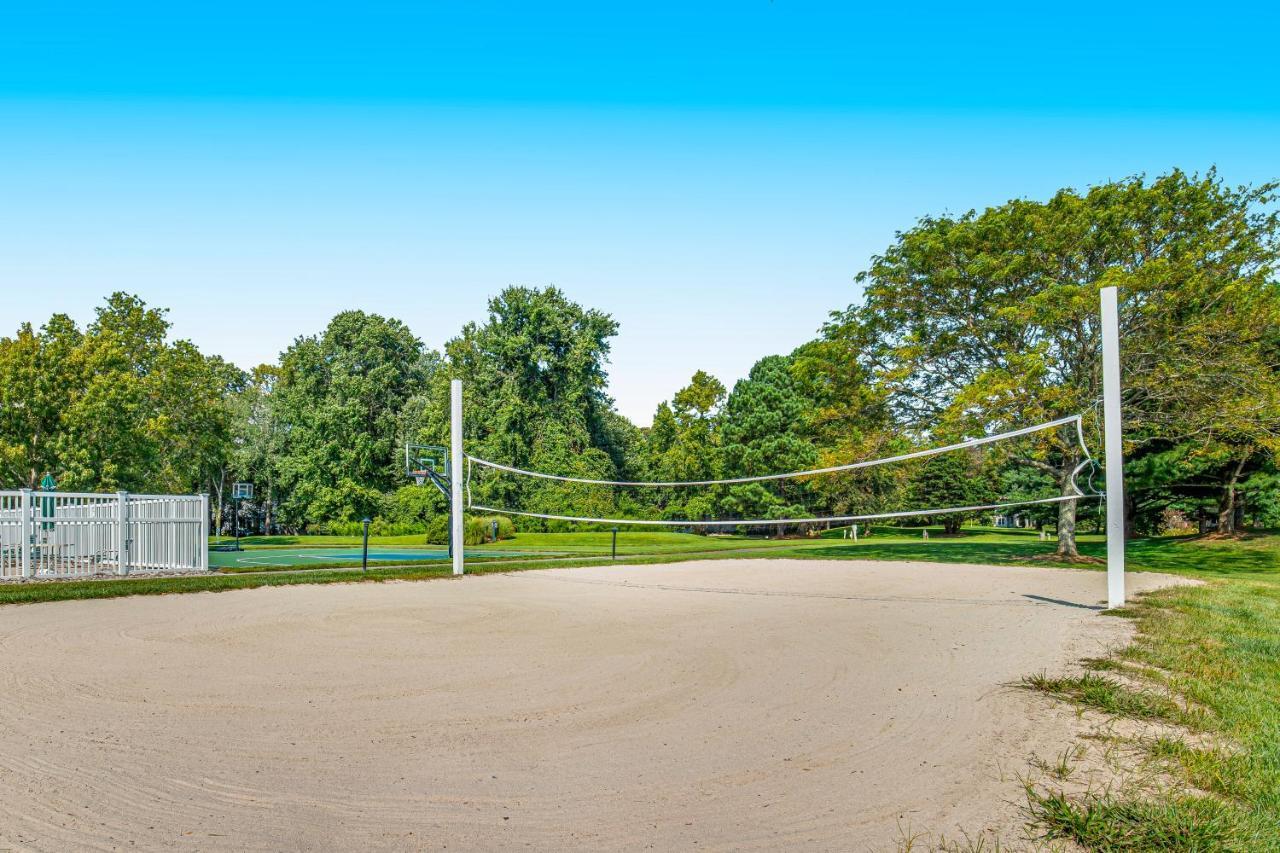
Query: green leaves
[
  {"x": 534, "y": 384},
  {"x": 115, "y": 406},
  {"x": 946, "y": 480},
  {"x": 764, "y": 431},
  {"x": 337, "y": 408}
]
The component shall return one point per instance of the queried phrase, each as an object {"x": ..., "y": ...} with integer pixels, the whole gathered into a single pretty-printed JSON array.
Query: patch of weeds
[
  {"x": 917, "y": 843},
  {"x": 1111, "y": 697},
  {"x": 1062, "y": 766},
  {"x": 1227, "y": 774},
  {"x": 1103, "y": 665},
  {"x": 1108, "y": 823}
]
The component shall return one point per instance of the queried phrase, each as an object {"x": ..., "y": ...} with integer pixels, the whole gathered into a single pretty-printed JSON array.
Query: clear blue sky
[{"x": 712, "y": 174}]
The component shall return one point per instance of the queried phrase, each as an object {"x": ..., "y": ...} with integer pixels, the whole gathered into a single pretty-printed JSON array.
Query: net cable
[
  {"x": 1076, "y": 492},
  {"x": 850, "y": 466}
]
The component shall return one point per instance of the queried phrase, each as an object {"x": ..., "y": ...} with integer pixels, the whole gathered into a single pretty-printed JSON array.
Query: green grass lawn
[
  {"x": 290, "y": 553},
  {"x": 634, "y": 542},
  {"x": 1206, "y": 659},
  {"x": 1256, "y": 555},
  {"x": 629, "y": 542}
]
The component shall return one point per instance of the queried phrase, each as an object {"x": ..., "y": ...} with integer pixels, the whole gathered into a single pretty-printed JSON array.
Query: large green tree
[
  {"x": 114, "y": 406},
  {"x": 534, "y": 383},
  {"x": 337, "y": 408},
  {"x": 763, "y": 431},
  {"x": 39, "y": 379},
  {"x": 684, "y": 444},
  {"x": 848, "y": 418},
  {"x": 988, "y": 320},
  {"x": 950, "y": 479}
]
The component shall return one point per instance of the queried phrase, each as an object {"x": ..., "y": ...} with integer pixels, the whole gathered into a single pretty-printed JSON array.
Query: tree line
[{"x": 967, "y": 325}]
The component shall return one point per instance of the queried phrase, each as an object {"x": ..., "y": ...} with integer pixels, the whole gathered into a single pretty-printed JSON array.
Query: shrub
[
  {"x": 481, "y": 530},
  {"x": 476, "y": 530},
  {"x": 506, "y": 529},
  {"x": 438, "y": 529},
  {"x": 415, "y": 506},
  {"x": 378, "y": 527}
]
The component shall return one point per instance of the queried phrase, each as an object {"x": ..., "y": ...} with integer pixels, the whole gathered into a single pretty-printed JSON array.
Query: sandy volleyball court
[{"x": 716, "y": 705}]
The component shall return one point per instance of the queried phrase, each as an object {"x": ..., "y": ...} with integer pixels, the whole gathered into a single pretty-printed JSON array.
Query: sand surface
[{"x": 754, "y": 704}]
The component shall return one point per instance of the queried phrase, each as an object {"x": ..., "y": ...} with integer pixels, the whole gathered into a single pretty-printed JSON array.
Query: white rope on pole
[
  {"x": 759, "y": 522},
  {"x": 870, "y": 463}
]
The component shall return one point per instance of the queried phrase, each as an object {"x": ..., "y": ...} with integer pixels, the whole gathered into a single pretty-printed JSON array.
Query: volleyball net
[{"x": 993, "y": 473}]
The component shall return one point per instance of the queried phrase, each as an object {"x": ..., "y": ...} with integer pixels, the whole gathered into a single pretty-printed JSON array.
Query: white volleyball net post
[
  {"x": 1114, "y": 446},
  {"x": 456, "y": 509}
]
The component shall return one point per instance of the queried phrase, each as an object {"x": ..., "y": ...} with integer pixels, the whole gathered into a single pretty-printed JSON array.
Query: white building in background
[{"x": 1012, "y": 519}]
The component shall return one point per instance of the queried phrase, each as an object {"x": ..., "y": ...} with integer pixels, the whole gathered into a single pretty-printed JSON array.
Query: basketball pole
[
  {"x": 455, "y": 473},
  {"x": 1114, "y": 446}
]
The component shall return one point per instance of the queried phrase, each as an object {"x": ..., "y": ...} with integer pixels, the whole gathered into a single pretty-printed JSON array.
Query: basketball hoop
[{"x": 427, "y": 463}]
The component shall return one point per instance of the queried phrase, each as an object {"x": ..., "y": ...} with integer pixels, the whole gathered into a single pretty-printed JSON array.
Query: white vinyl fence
[{"x": 73, "y": 534}]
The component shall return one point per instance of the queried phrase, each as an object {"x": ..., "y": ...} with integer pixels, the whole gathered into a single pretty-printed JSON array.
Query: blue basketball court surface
[{"x": 301, "y": 558}]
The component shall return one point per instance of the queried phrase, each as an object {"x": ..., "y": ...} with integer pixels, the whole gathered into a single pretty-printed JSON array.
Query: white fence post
[
  {"x": 122, "y": 533},
  {"x": 204, "y": 531},
  {"x": 25, "y": 534}
]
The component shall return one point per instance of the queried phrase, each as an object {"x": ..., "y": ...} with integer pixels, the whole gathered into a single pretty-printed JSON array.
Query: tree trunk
[
  {"x": 1227, "y": 500},
  {"x": 1067, "y": 529},
  {"x": 1067, "y": 509},
  {"x": 1066, "y": 489},
  {"x": 1227, "y": 511}
]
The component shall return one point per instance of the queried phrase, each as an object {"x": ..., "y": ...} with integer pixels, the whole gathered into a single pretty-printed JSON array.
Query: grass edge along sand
[{"x": 1198, "y": 687}]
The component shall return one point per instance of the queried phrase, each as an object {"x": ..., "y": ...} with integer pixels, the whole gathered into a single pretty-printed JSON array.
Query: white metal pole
[
  {"x": 1114, "y": 446},
  {"x": 455, "y": 472},
  {"x": 26, "y": 534},
  {"x": 202, "y": 553},
  {"x": 122, "y": 533}
]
